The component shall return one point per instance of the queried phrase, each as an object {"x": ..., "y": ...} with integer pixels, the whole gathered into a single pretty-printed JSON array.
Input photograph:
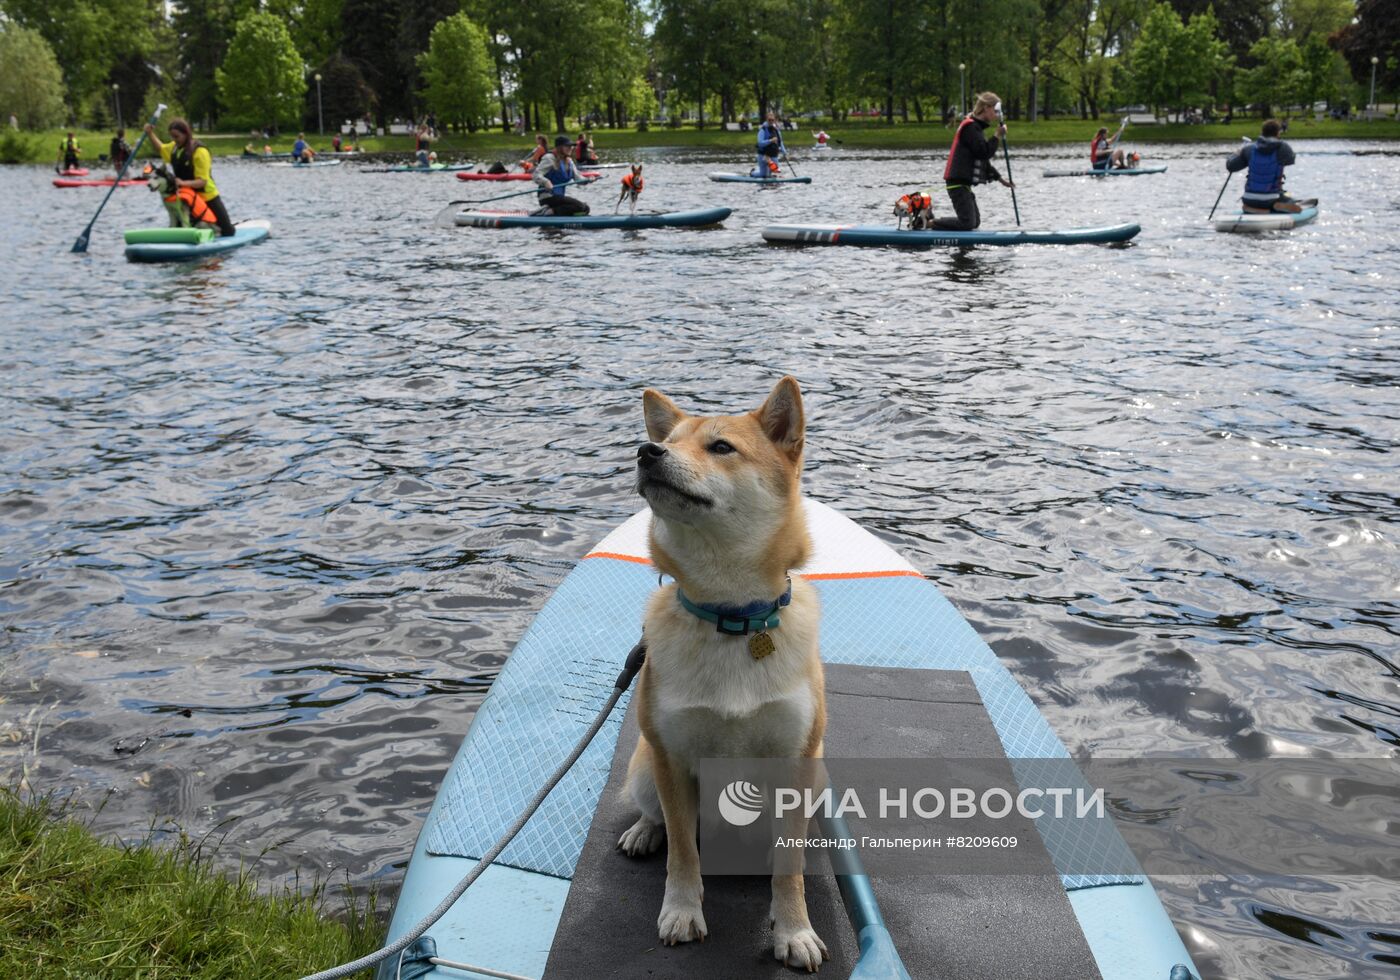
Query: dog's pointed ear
[
  {"x": 661, "y": 414},
  {"x": 782, "y": 418}
]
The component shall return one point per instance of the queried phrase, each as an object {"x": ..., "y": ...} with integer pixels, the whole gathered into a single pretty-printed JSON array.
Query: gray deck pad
[{"x": 953, "y": 927}]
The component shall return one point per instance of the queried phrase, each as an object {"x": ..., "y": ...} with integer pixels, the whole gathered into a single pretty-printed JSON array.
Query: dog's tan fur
[{"x": 728, "y": 526}]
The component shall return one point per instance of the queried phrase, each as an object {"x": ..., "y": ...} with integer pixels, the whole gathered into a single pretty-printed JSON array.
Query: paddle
[
  {"x": 81, "y": 244},
  {"x": 878, "y": 958},
  {"x": 438, "y": 218},
  {"x": 1223, "y": 186},
  {"x": 783, "y": 149},
  {"x": 1006, "y": 156}
]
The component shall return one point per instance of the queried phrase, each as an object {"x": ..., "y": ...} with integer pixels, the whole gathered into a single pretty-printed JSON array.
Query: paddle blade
[
  {"x": 82, "y": 243},
  {"x": 444, "y": 218}
]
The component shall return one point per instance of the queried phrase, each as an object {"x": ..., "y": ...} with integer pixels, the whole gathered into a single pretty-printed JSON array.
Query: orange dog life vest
[
  {"x": 199, "y": 210},
  {"x": 632, "y": 182}
]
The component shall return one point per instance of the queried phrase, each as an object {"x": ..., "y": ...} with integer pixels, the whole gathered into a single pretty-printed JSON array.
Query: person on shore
[
  {"x": 770, "y": 147},
  {"x": 552, "y": 173},
  {"x": 1102, "y": 153},
  {"x": 71, "y": 152},
  {"x": 583, "y": 149},
  {"x": 119, "y": 150},
  {"x": 302, "y": 151},
  {"x": 970, "y": 163},
  {"x": 192, "y": 165},
  {"x": 538, "y": 153},
  {"x": 1265, "y": 160}
]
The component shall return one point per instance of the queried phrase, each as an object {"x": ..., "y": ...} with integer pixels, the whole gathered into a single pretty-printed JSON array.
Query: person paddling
[
  {"x": 119, "y": 150},
  {"x": 770, "y": 146},
  {"x": 552, "y": 173},
  {"x": 1265, "y": 160},
  {"x": 823, "y": 139},
  {"x": 70, "y": 151},
  {"x": 1102, "y": 154},
  {"x": 301, "y": 150},
  {"x": 540, "y": 151},
  {"x": 583, "y": 150},
  {"x": 970, "y": 163},
  {"x": 192, "y": 165}
]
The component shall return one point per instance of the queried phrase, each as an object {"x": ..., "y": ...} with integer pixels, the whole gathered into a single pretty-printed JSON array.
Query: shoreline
[{"x": 866, "y": 136}]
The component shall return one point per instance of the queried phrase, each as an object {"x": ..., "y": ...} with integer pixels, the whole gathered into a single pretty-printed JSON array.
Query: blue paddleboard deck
[
  {"x": 725, "y": 178},
  {"x": 877, "y": 611},
  {"x": 248, "y": 233},
  {"x": 523, "y": 219},
  {"x": 1095, "y": 172},
  {"x": 878, "y": 235}
]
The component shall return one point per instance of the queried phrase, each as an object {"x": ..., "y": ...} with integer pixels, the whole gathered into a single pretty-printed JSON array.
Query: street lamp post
[
  {"x": 320, "y": 125},
  {"x": 117, "y": 101},
  {"x": 1035, "y": 91},
  {"x": 962, "y": 89},
  {"x": 1371, "y": 115}
]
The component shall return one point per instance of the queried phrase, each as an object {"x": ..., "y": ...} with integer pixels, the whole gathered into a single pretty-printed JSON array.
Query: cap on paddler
[{"x": 563, "y": 141}]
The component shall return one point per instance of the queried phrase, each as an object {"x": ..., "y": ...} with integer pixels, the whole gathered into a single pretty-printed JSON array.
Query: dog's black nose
[{"x": 648, "y": 453}]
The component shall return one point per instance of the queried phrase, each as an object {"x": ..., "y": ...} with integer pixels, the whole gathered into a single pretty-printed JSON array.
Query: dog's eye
[{"x": 721, "y": 448}]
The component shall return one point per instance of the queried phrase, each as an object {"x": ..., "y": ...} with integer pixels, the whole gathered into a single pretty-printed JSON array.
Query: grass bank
[
  {"x": 852, "y": 135},
  {"x": 74, "y": 906}
]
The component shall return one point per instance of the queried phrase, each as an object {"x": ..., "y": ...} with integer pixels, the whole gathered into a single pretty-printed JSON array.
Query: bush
[{"x": 15, "y": 147}]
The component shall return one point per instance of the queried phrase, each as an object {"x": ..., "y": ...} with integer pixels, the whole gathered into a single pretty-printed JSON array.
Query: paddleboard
[
  {"x": 727, "y": 178},
  {"x": 874, "y": 235},
  {"x": 877, "y": 610},
  {"x": 523, "y": 219},
  {"x": 98, "y": 182},
  {"x": 1091, "y": 172},
  {"x": 248, "y": 233},
  {"x": 516, "y": 176},
  {"x": 313, "y": 163},
  {"x": 74, "y": 172},
  {"x": 1243, "y": 222},
  {"x": 436, "y": 168}
]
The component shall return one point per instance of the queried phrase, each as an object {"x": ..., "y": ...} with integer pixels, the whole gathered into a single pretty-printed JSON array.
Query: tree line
[{"x": 477, "y": 63}]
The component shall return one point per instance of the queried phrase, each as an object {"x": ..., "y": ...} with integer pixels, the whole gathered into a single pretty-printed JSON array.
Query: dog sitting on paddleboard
[
  {"x": 732, "y": 668},
  {"x": 185, "y": 208}
]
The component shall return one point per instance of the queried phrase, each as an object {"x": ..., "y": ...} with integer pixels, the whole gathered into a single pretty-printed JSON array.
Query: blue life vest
[
  {"x": 560, "y": 173},
  {"x": 1265, "y": 172},
  {"x": 769, "y": 139}
]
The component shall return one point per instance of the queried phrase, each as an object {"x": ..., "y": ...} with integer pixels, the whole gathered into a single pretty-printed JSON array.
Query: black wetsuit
[{"x": 969, "y": 164}]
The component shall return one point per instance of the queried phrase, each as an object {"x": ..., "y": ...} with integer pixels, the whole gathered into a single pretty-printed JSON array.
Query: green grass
[
  {"x": 852, "y": 135},
  {"x": 74, "y": 906}
]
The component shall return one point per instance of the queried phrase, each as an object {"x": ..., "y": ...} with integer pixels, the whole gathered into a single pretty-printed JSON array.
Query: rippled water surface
[{"x": 271, "y": 524}]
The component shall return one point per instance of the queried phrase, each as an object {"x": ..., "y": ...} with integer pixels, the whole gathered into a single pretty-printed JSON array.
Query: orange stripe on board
[{"x": 819, "y": 576}]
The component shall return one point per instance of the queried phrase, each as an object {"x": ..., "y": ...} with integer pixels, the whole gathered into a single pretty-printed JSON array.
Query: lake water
[{"x": 271, "y": 524}]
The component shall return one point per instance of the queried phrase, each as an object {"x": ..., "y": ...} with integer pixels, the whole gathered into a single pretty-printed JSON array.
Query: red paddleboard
[
  {"x": 467, "y": 176},
  {"x": 74, "y": 172},
  {"x": 99, "y": 182}
]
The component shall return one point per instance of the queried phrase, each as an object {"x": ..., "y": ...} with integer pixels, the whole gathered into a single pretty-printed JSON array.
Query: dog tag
[{"x": 760, "y": 645}]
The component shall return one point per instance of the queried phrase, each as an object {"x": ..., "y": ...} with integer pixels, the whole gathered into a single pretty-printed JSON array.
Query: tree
[
  {"x": 1375, "y": 33},
  {"x": 369, "y": 28},
  {"x": 1277, "y": 79},
  {"x": 31, "y": 84},
  {"x": 457, "y": 71},
  {"x": 1152, "y": 57},
  {"x": 261, "y": 80},
  {"x": 345, "y": 95}
]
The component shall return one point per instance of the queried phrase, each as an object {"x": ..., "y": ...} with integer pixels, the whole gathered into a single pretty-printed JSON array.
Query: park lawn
[
  {"x": 74, "y": 906},
  {"x": 491, "y": 145}
]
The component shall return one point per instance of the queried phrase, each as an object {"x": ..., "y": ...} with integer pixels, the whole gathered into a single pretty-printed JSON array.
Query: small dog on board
[
  {"x": 631, "y": 189},
  {"x": 184, "y": 206},
  {"x": 918, "y": 208},
  {"x": 720, "y": 679}
]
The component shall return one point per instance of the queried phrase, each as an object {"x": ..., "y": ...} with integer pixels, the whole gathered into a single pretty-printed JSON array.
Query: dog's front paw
[
  {"x": 801, "y": 949},
  {"x": 642, "y": 838},
  {"x": 681, "y": 923}
]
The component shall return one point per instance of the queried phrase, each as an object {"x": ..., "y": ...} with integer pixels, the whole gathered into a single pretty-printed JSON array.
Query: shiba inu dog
[{"x": 720, "y": 681}]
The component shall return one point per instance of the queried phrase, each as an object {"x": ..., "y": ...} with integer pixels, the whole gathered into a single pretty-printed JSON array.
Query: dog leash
[{"x": 634, "y": 662}]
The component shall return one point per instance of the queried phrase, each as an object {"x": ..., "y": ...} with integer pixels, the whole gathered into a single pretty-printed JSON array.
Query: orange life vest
[
  {"x": 916, "y": 202},
  {"x": 199, "y": 210},
  {"x": 632, "y": 182}
]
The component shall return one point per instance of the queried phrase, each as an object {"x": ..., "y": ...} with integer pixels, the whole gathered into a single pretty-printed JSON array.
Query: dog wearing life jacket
[
  {"x": 918, "y": 208},
  {"x": 631, "y": 188},
  {"x": 184, "y": 205},
  {"x": 732, "y": 667}
]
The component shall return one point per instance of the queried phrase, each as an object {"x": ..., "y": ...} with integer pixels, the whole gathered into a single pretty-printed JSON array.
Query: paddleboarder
[
  {"x": 1103, "y": 154},
  {"x": 118, "y": 150},
  {"x": 301, "y": 150},
  {"x": 770, "y": 147},
  {"x": 70, "y": 151},
  {"x": 583, "y": 150},
  {"x": 552, "y": 173},
  {"x": 540, "y": 151},
  {"x": 1265, "y": 159},
  {"x": 193, "y": 167},
  {"x": 970, "y": 163}
]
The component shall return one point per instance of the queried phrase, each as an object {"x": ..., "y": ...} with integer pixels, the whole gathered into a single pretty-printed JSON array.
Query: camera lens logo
[{"x": 740, "y": 803}]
